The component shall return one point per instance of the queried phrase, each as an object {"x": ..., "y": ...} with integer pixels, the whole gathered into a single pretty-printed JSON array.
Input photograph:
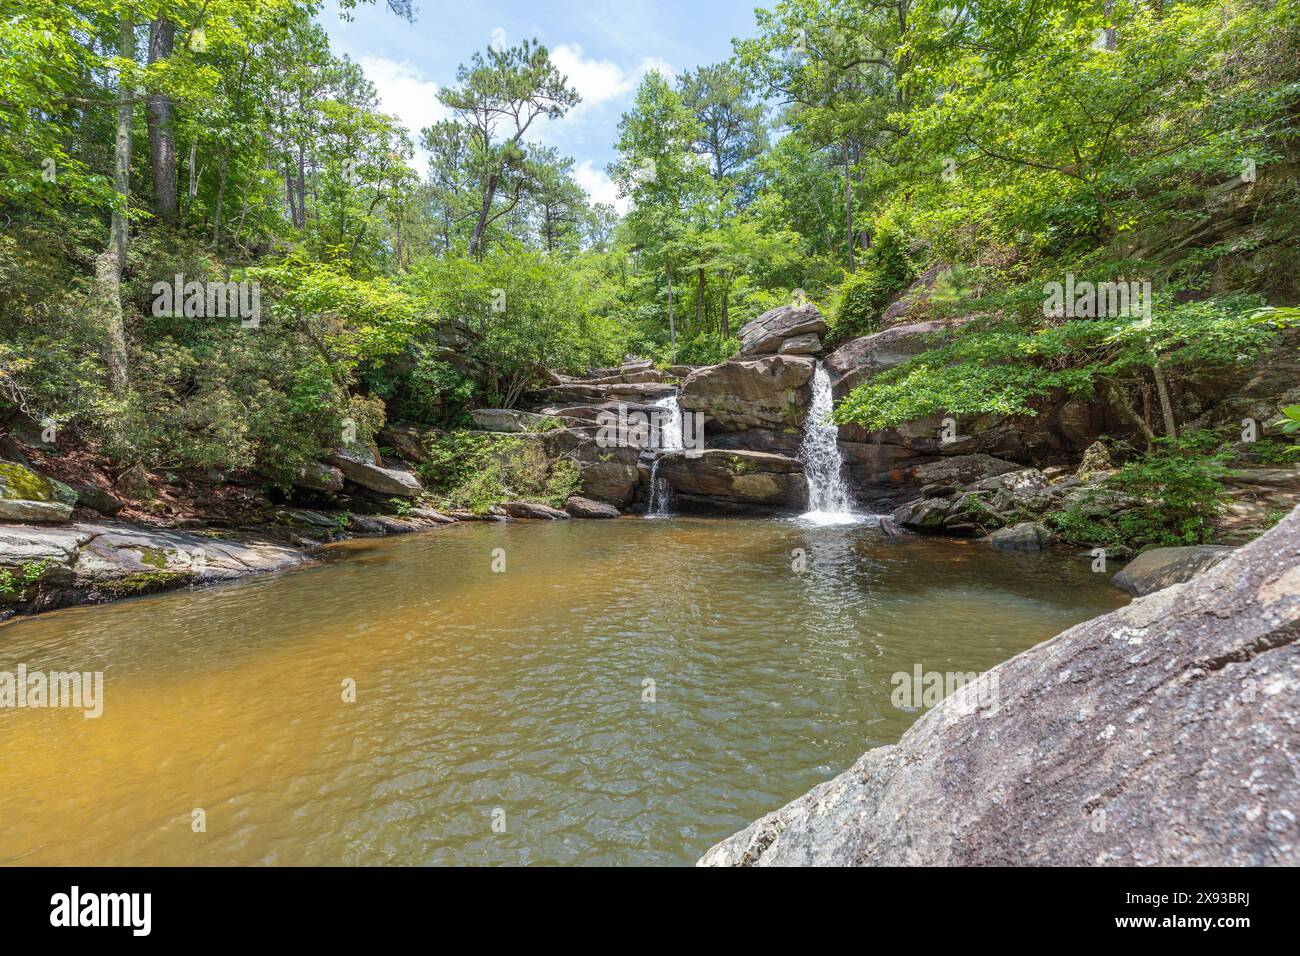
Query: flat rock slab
[
  {"x": 580, "y": 507},
  {"x": 1161, "y": 567},
  {"x": 533, "y": 509},
  {"x": 1163, "y": 733}
]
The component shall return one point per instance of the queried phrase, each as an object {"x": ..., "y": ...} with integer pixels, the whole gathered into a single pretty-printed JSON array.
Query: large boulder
[
  {"x": 1161, "y": 567},
  {"x": 585, "y": 393},
  {"x": 910, "y": 305},
  {"x": 320, "y": 477},
  {"x": 28, "y": 496},
  {"x": 770, "y": 330},
  {"x": 384, "y": 481},
  {"x": 768, "y": 392},
  {"x": 580, "y": 507},
  {"x": 719, "y": 476},
  {"x": 1159, "y": 734},
  {"x": 962, "y": 469},
  {"x": 1023, "y": 536}
]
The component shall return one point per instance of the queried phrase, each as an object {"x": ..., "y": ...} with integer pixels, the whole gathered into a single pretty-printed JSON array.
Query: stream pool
[{"x": 503, "y": 717}]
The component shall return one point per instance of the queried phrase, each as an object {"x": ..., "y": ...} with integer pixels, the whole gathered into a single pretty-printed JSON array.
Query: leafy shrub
[{"x": 476, "y": 470}]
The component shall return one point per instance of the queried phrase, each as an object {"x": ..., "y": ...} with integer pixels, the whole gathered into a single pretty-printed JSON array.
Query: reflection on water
[{"x": 520, "y": 691}]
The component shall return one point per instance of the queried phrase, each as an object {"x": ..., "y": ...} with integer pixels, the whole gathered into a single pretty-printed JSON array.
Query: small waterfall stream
[
  {"x": 670, "y": 439},
  {"x": 828, "y": 497}
]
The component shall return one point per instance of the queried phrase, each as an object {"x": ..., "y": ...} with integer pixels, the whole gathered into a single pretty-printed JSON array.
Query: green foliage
[
  {"x": 1168, "y": 497},
  {"x": 477, "y": 470}
]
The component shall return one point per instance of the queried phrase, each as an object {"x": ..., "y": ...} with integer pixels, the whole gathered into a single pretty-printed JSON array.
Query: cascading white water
[
  {"x": 669, "y": 433},
  {"x": 828, "y": 497}
]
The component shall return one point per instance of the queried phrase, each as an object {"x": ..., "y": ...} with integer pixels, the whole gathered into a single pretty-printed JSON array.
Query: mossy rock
[{"x": 20, "y": 483}]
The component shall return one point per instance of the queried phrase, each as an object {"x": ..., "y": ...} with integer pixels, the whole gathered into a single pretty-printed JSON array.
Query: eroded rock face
[
  {"x": 735, "y": 477},
  {"x": 1159, "y": 734},
  {"x": 769, "y": 331},
  {"x": 1161, "y": 567},
  {"x": 769, "y": 392}
]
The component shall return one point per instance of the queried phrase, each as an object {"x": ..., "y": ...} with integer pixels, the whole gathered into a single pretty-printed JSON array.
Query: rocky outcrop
[
  {"x": 606, "y": 474},
  {"x": 910, "y": 305},
  {"x": 1161, "y": 567},
  {"x": 769, "y": 392},
  {"x": 585, "y": 393},
  {"x": 721, "y": 477},
  {"x": 509, "y": 420},
  {"x": 988, "y": 503},
  {"x": 92, "y": 563},
  {"x": 771, "y": 330},
  {"x": 1159, "y": 734},
  {"x": 376, "y": 478},
  {"x": 858, "y": 360}
]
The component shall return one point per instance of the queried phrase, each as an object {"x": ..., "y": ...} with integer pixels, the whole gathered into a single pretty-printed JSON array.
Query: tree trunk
[
  {"x": 848, "y": 208},
  {"x": 726, "y": 324},
  {"x": 1162, "y": 390},
  {"x": 108, "y": 270},
  {"x": 699, "y": 300},
  {"x": 672, "y": 327},
  {"x": 485, "y": 209},
  {"x": 1118, "y": 401},
  {"x": 221, "y": 198},
  {"x": 162, "y": 143}
]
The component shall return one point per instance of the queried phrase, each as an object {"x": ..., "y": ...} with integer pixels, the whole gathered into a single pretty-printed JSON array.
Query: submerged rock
[
  {"x": 1161, "y": 567},
  {"x": 1025, "y": 536},
  {"x": 1159, "y": 734}
]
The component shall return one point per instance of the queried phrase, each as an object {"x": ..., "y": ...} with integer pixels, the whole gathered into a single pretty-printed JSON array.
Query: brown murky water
[{"x": 518, "y": 692}]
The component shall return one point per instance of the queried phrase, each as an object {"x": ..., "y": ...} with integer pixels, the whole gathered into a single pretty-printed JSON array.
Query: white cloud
[
  {"x": 601, "y": 81},
  {"x": 498, "y": 39},
  {"x": 599, "y": 186},
  {"x": 405, "y": 92}
]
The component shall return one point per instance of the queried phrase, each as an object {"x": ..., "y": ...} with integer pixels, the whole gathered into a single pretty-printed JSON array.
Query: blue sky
[{"x": 603, "y": 47}]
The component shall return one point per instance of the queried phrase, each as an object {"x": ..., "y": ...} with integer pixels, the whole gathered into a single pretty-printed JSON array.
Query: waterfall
[
  {"x": 669, "y": 432},
  {"x": 828, "y": 498}
]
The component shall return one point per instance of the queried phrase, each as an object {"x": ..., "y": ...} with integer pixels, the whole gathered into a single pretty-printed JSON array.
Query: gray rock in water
[
  {"x": 580, "y": 507},
  {"x": 766, "y": 333},
  {"x": 1161, "y": 567},
  {"x": 1159, "y": 734},
  {"x": 722, "y": 477},
  {"x": 1025, "y": 536},
  {"x": 533, "y": 509}
]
